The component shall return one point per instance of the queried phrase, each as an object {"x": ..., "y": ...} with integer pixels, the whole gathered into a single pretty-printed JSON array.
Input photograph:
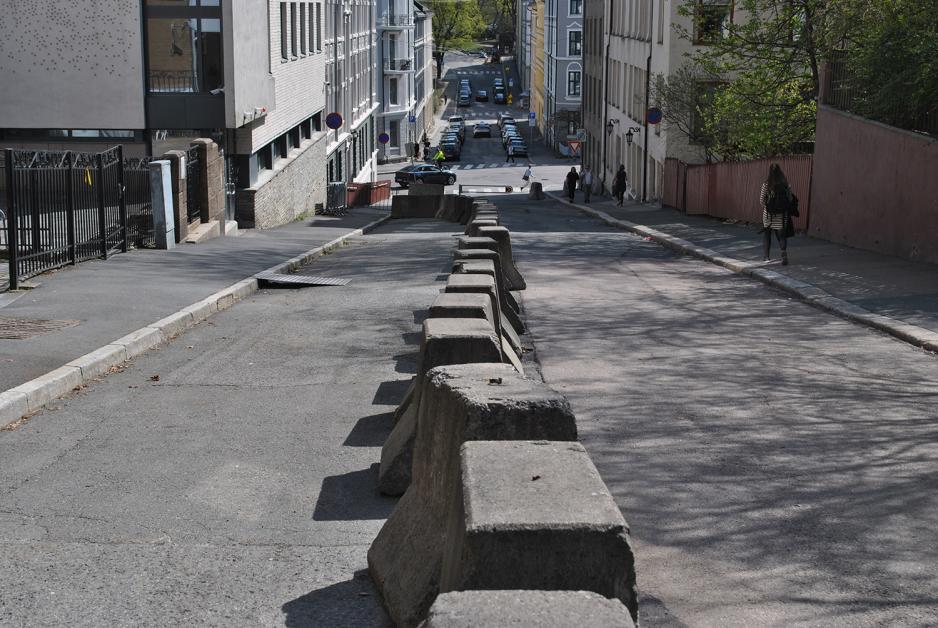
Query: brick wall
[{"x": 294, "y": 189}]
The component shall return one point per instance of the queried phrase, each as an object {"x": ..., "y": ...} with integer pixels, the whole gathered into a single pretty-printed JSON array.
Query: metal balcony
[
  {"x": 398, "y": 65},
  {"x": 397, "y": 21}
]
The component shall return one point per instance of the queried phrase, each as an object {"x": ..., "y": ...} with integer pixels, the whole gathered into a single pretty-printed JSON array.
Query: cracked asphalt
[{"x": 227, "y": 478}]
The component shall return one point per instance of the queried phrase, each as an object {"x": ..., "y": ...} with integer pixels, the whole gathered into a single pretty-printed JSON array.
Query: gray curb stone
[
  {"x": 811, "y": 294},
  {"x": 36, "y": 393}
]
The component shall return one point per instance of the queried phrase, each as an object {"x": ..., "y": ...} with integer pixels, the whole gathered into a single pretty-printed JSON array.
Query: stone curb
[
  {"x": 36, "y": 393},
  {"x": 811, "y": 294}
]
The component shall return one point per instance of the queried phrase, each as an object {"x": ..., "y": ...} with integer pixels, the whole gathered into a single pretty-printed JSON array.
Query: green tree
[
  {"x": 456, "y": 24},
  {"x": 892, "y": 62},
  {"x": 767, "y": 60}
]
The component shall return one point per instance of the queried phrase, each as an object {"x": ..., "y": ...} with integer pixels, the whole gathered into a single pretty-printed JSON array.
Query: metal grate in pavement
[
  {"x": 301, "y": 280},
  {"x": 26, "y": 328}
]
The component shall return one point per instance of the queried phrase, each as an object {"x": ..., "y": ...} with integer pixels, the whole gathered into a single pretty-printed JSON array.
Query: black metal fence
[
  {"x": 66, "y": 207},
  {"x": 847, "y": 93},
  {"x": 193, "y": 184}
]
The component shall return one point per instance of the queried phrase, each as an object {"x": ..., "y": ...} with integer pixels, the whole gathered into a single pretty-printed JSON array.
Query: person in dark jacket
[
  {"x": 779, "y": 204},
  {"x": 570, "y": 183},
  {"x": 619, "y": 185}
]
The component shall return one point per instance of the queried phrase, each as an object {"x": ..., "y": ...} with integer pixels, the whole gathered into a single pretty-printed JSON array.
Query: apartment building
[
  {"x": 406, "y": 84},
  {"x": 155, "y": 74},
  {"x": 538, "y": 105},
  {"x": 351, "y": 56},
  {"x": 563, "y": 72},
  {"x": 628, "y": 44},
  {"x": 523, "y": 16}
]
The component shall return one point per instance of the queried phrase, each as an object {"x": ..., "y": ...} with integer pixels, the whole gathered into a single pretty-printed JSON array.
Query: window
[
  {"x": 576, "y": 7},
  {"x": 575, "y": 43},
  {"x": 573, "y": 83},
  {"x": 318, "y": 27},
  {"x": 392, "y": 91},
  {"x": 293, "y": 33},
  {"x": 303, "y": 29},
  {"x": 661, "y": 21},
  {"x": 284, "y": 32},
  {"x": 711, "y": 21},
  {"x": 395, "y": 132},
  {"x": 184, "y": 55}
]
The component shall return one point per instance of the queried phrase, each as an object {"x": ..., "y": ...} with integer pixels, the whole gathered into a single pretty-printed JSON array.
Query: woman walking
[
  {"x": 570, "y": 183},
  {"x": 619, "y": 184},
  {"x": 779, "y": 205}
]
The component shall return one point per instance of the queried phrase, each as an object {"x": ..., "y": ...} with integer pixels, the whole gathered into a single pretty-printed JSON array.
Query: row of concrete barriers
[{"x": 504, "y": 519}]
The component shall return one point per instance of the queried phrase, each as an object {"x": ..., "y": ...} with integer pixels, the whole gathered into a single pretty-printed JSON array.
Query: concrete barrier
[
  {"x": 444, "y": 207},
  {"x": 463, "y": 305},
  {"x": 513, "y": 279},
  {"x": 445, "y": 341},
  {"x": 472, "y": 229},
  {"x": 536, "y": 193},
  {"x": 462, "y": 254},
  {"x": 426, "y": 189},
  {"x": 526, "y": 609},
  {"x": 475, "y": 242},
  {"x": 487, "y": 267},
  {"x": 459, "y": 403},
  {"x": 536, "y": 515}
]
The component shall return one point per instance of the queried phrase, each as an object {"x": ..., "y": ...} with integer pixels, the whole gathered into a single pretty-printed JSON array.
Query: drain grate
[
  {"x": 301, "y": 280},
  {"x": 26, "y": 328}
]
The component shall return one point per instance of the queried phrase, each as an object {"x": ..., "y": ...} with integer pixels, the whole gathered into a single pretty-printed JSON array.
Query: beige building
[
  {"x": 626, "y": 45},
  {"x": 538, "y": 105}
]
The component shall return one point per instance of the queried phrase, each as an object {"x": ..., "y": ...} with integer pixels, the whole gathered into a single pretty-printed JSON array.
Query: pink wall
[{"x": 875, "y": 187}]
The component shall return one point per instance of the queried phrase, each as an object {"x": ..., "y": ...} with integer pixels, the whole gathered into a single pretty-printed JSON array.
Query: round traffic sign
[
  {"x": 654, "y": 115},
  {"x": 384, "y": 138},
  {"x": 334, "y": 120}
]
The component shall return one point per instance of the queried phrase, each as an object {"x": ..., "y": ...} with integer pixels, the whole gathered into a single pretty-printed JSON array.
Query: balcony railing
[
  {"x": 399, "y": 21},
  {"x": 398, "y": 65}
]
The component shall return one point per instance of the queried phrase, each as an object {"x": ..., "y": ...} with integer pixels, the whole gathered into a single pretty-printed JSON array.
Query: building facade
[
  {"x": 628, "y": 44},
  {"x": 153, "y": 75},
  {"x": 351, "y": 57},
  {"x": 406, "y": 85},
  {"x": 563, "y": 72},
  {"x": 537, "y": 63}
]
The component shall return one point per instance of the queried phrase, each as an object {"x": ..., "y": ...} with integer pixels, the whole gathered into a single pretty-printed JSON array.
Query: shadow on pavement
[
  {"x": 370, "y": 431},
  {"x": 354, "y": 602},
  {"x": 352, "y": 496}
]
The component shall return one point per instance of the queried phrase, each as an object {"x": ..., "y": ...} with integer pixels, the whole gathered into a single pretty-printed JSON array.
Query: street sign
[
  {"x": 581, "y": 135},
  {"x": 334, "y": 120},
  {"x": 532, "y": 115},
  {"x": 412, "y": 119},
  {"x": 654, "y": 115},
  {"x": 574, "y": 146},
  {"x": 532, "y": 119},
  {"x": 384, "y": 138},
  {"x": 511, "y": 82}
]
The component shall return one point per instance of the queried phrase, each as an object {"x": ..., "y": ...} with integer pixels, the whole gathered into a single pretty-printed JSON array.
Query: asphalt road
[
  {"x": 483, "y": 161},
  {"x": 777, "y": 465},
  {"x": 228, "y": 478}
]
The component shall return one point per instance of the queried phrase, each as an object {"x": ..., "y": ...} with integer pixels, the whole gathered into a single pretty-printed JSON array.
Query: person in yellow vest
[{"x": 439, "y": 158}]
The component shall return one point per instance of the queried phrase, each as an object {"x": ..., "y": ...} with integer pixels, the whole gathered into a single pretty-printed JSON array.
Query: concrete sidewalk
[
  {"x": 884, "y": 286},
  {"x": 108, "y": 299}
]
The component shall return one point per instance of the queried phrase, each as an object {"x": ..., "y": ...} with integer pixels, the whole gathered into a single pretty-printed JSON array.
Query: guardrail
[{"x": 489, "y": 189}]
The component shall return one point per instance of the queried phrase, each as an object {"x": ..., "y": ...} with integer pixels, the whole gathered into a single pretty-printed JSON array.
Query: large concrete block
[
  {"x": 526, "y": 609},
  {"x": 459, "y": 403},
  {"x": 463, "y": 305},
  {"x": 472, "y": 229},
  {"x": 510, "y": 321},
  {"x": 426, "y": 189},
  {"x": 473, "y": 254},
  {"x": 536, "y": 515},
  {"x": 445, "y": 341},
  {"x": 405, "y": 206},
  {"x": 456, "y": 208},
  {"x": 469, "y": 242},
  {"x": 513, "y": 279}
]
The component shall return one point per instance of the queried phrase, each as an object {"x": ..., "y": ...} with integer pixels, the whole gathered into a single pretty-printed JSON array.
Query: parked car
[
  {"x": 458, "y": 129},
  {"x": 499, "y": 84},
  {"x": 482, "y": 129},
  {"x": 511, "y": 126},
  {"x": 520, "y": 148},
  {"x": 504, "y": 118},
  {"x": 457, "y": 120},
  {"x": 452, "y": 150},
  {"x": 482, "y": 96},
  {"x": 464, "y": 100},
  {"x": 424, "y": 173},
  {"x": 500, "y": 98},
  {"x": 451, "y": 137}
]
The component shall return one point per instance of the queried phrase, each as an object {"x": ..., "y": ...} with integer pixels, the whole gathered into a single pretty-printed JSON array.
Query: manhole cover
[{"x": 25, "y": 328}]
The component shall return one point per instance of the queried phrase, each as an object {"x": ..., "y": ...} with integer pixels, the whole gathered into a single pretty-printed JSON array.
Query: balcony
[
  {"x": 398, "y": 65},
  {"x": 397, "y": 21}
]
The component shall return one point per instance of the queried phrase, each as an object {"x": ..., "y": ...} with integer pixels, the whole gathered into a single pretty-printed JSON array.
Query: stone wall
[{"x": 295, "y": 187}]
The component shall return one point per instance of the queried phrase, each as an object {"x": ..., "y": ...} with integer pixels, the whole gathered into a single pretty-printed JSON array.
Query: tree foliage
[
  {"x": 456, "y": 23},
  {"x": 499, "y": 16},
  {"x": 892, "y": 61}
]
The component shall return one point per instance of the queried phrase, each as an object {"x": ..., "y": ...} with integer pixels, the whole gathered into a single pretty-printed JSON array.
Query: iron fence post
[
  {"x": 70, "y": 209},
  {"x": 11, "y": 220},
  {"x": 121, "y": 202},
  {"x": 102, "y": 220}
]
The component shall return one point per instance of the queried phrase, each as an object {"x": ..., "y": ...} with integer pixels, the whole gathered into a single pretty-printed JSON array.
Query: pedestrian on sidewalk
[
  {"x": 619, "y": 185},
  {"x": 511, "y": 153},
  {"x": 526, "y": 177},
  {"x": 570, "y": 184},
  {"x": 586, "y": 183},
  {"x": 779, "y": 206}
]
